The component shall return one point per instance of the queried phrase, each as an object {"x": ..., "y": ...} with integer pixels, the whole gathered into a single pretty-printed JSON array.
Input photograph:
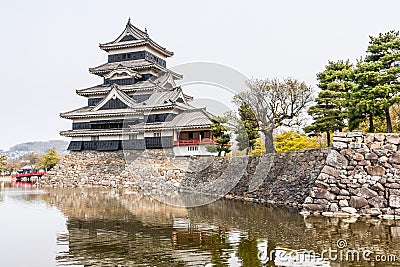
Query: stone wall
[
  {"x": 284, "y": 178},
  {"x": 361, "y": 176}
]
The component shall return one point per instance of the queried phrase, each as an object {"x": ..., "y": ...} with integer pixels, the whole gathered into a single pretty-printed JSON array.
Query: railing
[
  {"x": 29, "y": 174},
  {"x": 205, "y": 141}
]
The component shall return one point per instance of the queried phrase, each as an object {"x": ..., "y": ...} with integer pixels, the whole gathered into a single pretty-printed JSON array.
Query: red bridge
[{"x": 28, "y": 175}]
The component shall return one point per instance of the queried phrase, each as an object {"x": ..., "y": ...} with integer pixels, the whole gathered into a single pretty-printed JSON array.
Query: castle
[{"x": 138, "y": 106}]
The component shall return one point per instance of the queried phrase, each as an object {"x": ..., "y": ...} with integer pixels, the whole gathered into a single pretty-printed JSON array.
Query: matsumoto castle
[{"x": 138, "y": 106}]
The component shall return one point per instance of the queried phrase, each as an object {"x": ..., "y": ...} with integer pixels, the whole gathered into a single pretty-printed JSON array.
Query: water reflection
[
  {"x": 108, "y": 228},
  {"x": 98, "y": 227}
]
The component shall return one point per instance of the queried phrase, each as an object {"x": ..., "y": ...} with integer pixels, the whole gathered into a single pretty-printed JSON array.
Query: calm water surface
[{"x": 99, "y": 227}]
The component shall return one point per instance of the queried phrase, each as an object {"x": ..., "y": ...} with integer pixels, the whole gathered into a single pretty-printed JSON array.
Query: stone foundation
[{"x": 360, "y": 175}]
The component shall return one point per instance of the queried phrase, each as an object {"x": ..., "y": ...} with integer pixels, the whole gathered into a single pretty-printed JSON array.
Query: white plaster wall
[
  {"x": 163, "y": 133},
  {"x": 183, "y": 151},
  {"x": 81, "y": 138},
  {"x": 109, "y": 137}
]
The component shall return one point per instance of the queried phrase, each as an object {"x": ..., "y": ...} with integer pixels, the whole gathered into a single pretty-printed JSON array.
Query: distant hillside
[{"x": 41, "y": 147}]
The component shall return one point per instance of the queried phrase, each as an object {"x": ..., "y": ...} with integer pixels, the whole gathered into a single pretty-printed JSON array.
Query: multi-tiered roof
[{"x": 138, "y": 96}]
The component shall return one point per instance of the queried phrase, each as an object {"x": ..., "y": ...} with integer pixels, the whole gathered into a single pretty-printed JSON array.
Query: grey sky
[{"x": 48, "y": 46}]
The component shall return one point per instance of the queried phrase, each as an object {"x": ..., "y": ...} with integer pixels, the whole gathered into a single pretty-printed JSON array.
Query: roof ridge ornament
[{"x": 129, "y": 21}]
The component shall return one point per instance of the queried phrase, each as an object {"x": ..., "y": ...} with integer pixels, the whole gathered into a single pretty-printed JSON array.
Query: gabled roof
[
  {"x": 165, "y": 79},
  {"x": 191, "y": 118},
  {"x": 115, "y": 93},
  {"x": 123, "y": 70},
  {"x": 131, "y": 64},
  {"x": 162, "y": 97},
  {"x": 132, "y": 36}
]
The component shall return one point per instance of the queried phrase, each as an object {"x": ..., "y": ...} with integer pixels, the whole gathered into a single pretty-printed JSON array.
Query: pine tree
[
  {"x": 385, "y": 51},
  {"x": 247, "y": 129},
  {"x": 363, "y": 100},
  {"x": 377, "y": 78},
  {"x": 222, "y": 138},
  {"x": 329, "y": 112}
]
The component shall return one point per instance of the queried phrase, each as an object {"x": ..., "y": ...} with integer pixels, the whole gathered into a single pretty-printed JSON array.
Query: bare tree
[{"x": 276, "y": 103}]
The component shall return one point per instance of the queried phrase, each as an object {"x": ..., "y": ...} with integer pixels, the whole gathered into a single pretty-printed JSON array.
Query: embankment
[{"x": 360, "y": 175}]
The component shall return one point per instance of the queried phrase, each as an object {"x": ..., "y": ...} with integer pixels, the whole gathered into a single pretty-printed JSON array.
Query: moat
[{"x": 105, "y": 227}]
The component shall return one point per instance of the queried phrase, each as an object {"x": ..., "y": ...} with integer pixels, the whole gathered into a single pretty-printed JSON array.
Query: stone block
[
  {"x": 380, "y": 137},
  {"x": 393, "y": 185},
  {"x": 364, "y": 192},
  {"x": 330, "y": 171},
  {"x": 315, "y": 207},
  {"x": 358, "y": 202},
  {"x": 355, "y": 145},
  {"x": 395, "y": 231},
  {"x": 321, "y": 193},
  {"x": 394, "y": 201},
  {"x": 334, "y": 207},
  {"x": 339, "y": 145},
  {"x": 376, "y": 170},
  {"x": 364, "y": 163},
  {"x": 340, "y": 134},
  {"x": 371, "y": 212},
  {"x": 390, "y": 147},
  {"x": 349, "y": 210},
  {"x": 371, "y": 156},
  {"x": 375, "y": 146},
  {"x": 344, "y": 192},
  {"x": 378, "y": 202},
  {"x": 336, "y": 160},
  {"x": 358, "y": 156},
  {"x": 321, "y": 201},
  {"x": 378, "y": 187},
  {"x": 393, "y": 139},
  {"x": 369, "y": 138},
  {"x": 355, "y": 134},
  {"x": 321, "y": 184},
  {"x": 383, "y": 159},
  {"x": 349, "y": 153},
  {"x": 395, "y": 158},
  {"x": 308, "y": 200},
  {"x": 343, "y": 203},
  {"x": 341, "y": 139}
]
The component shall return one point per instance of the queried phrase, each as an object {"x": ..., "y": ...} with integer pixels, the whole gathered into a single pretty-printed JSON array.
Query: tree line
[{"x": 362, "y": 96}]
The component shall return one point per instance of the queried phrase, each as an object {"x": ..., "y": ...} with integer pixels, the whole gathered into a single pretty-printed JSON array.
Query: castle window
[
  {"x": 192, "y": 148},
  {"x": 95, "y": 138}
]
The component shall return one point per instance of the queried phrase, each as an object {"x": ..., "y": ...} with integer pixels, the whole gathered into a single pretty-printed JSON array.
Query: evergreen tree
[
  {"x": 378, "y": 82},
  {"x": 221, "y": 137},
  {"x": 363, "y": 102},
  {"x": 247, "y": 129},
  {"x": 329, "y": 112}
]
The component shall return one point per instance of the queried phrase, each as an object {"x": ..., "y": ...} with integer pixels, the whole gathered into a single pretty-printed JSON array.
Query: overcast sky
[{"x": 48, "y": 46}]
